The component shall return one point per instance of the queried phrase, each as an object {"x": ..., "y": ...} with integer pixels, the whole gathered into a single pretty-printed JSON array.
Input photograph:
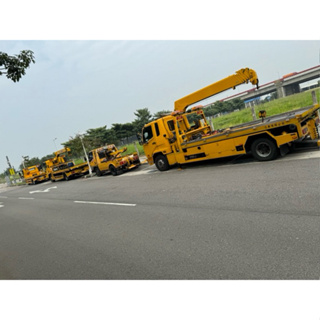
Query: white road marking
[
  {"x": 3, "y": 197},
  {"x": 1, "y": 205},
  {"x": 22, "y": 198},
  {"x": 108, "y": 203},
  {"x": 46, "y": 190}
]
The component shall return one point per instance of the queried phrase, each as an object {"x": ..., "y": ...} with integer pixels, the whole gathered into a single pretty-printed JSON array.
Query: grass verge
[{"x": 277, "y": 106}]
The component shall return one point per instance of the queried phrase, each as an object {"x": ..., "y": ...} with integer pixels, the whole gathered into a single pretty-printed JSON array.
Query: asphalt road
[{"x": 230, "y": 219}]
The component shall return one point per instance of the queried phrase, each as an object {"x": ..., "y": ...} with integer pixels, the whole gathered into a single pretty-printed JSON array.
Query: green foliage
[
  {"x": 95, "y": 138},
  {"x": 34, "y": 161},
  {"x": 74, "y": 143},
  {"x": 122, "y": 131},
  {"x": 160, "y": 114},
  {"x": 143, "y": 116},
  {"x": 30, "y": 162},
  {"x": 273, "y": 107},
  {"x": 14, "y": 66},
  {"x": 224, "y": 106}
]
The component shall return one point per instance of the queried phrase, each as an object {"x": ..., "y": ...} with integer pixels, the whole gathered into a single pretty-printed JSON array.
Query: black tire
[
  {"x": 113, "y": 170},
  {"x": 161, "y": 162},
  {"x": 264, "y": 149},
  {"x": 98, "y": 172}
]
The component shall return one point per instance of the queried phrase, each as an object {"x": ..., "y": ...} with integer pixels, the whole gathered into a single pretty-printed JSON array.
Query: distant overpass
[{"x": 287, "y": 85}]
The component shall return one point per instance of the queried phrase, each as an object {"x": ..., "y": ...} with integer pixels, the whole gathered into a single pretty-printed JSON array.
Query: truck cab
[{"x": 162, "y": 139}]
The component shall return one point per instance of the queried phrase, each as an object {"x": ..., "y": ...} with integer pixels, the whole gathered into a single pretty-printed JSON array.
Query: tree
[
  {"x": 143, "y": 116},
  {"x": 30, "y": 162},
  {"x": 238, "y": 104},
  {"x": 75, "y": 145},
  {"x": 119, "y": 130},
  {"x": 14, "y": 66},
  {"x": 160, "y": 114},
  {"x": 97, "y": 137}
]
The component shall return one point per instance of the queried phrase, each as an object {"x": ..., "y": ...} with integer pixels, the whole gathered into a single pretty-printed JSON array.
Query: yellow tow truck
[
  {"x": 34, "y": 174},
  {"x": 59, "y": 168},
  {"x": 110, "y": 159},
  {"x": 185, "y": 136}
]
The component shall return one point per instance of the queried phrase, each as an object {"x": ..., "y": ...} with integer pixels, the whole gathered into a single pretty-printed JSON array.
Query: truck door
[{"x": 149, "y": 140}]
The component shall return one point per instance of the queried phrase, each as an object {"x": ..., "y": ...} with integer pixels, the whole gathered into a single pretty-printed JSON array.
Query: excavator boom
[{"x": 241, "y": 76}]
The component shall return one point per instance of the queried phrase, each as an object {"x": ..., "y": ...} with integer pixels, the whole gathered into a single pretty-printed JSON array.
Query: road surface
[{"x": 230, "y": 219}]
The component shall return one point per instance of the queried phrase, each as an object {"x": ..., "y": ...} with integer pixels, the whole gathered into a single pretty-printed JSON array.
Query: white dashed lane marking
[{"x": 108, "y": 203}]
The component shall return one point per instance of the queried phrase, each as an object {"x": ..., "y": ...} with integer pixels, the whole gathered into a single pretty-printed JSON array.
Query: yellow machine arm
[
  {"x": 241, "y": 76},
  {"x": 64, "y": 150}
]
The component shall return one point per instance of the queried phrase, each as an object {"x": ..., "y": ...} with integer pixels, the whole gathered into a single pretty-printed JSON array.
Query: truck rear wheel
[
  {"x": 161, "y": 162},
  {"x": 264, "y": 149},
  {"x": 113, "y": 170}
]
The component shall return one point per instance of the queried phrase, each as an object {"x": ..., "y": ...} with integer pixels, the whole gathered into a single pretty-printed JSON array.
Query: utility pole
[
  {"x": 85, "y": 153},
  {"x": 11, "y": 170},
  {"x": 26, "y": 158}
]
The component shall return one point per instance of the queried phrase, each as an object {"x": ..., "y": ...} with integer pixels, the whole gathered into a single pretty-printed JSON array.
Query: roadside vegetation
[{"x": 273, "y": 107}]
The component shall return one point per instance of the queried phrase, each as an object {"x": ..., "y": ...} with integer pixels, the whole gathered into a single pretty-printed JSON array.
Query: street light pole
[
  {"x": 23, "y": 159},
  {"x": 85, "y": 153}
]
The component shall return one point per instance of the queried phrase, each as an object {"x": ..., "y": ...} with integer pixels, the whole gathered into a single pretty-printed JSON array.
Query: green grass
[
  {"x": 285, "y": 104},
  {"x": 78, "y": 161},
  {"x": 132, "y": 148}
]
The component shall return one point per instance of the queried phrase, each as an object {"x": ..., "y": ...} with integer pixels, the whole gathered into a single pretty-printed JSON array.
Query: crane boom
[{"x": 241, "y": 76}]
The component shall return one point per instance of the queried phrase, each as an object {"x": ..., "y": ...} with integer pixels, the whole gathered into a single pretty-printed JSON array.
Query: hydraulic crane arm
[
  {"x": 64, "y": 150},
  {"x": 241, "y": 76}
]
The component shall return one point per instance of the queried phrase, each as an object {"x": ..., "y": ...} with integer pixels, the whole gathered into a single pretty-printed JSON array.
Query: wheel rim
[
  {"x": 263, "y": 149},
  {"x": 161, "y": 164}
]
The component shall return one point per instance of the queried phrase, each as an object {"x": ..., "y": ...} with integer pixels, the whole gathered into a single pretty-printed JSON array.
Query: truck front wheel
[
  {"x": 264, "y": 149},
  {"x": 98, "y": 172},
  {"x": 161, "y": 162}
]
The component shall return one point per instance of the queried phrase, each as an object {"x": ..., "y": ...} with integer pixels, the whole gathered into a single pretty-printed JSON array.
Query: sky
[{"x": 76, "y": 85}]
